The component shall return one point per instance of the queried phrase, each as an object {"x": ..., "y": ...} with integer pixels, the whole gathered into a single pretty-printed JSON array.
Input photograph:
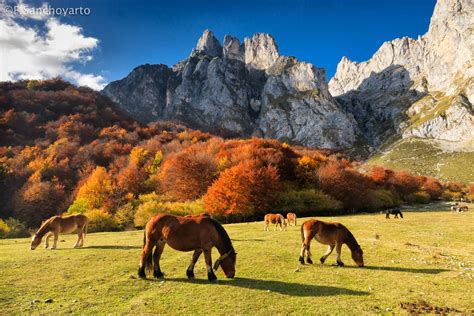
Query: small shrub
[
  {"x": 305, "y": 201},
  {"x": 4, "y": 229},
  {"x": 125, "y": 215},
  {"x": 101, "y": 221},
  {"x": 381, "y": 199},
  {"x": 80, "y": 206},
  {"x": 418, "y": 197},
  {"x": 16, "y": 228},
  {"x": 446, "y": 196}
]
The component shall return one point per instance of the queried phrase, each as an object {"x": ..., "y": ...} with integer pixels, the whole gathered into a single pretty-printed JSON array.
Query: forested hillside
[{"x": 69, "y": 149}]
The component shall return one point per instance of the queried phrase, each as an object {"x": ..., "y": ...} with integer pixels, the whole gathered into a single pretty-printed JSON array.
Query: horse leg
[
  {"x": 265, "y": 228},
  {"x": 55, "y": 240},
  {"x": 328, "y": 252},
  {"x": 83, "y": 232},
  {"x": 208, "y": 259},
  {"x": 145, "y": 259},
  {"x": 156, "y": 259},
  {"x": 78, "y": 242},
  {"x": 387, "y": 216},
  {"x": 338, "y": 251},
  {"x": 46, "y": 241},
  {"x": 302, "y": 253},
  {"x": 308, "y": 254},
  {"x": 194, "y": 259}
]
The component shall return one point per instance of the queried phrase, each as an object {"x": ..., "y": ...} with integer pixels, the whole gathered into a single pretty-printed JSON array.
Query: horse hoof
[
  {"x": 301, "y": 260},
  {"x": 141, "y": 274},
  {"x": 211, "y": 278},
  {"x": 309, "y": 261},
  {"x": 190, "y": 274},
  {"x": 340, "y": 263},
  {"x": 322, "y": 259},
  {"x": 158, "y": 275}
]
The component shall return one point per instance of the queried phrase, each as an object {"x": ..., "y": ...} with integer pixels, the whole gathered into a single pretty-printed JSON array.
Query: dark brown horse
[
  {"x": 332, "y": 234},
  {"x": 189, "y": 233},
  {"x": 395, "y": 212}
]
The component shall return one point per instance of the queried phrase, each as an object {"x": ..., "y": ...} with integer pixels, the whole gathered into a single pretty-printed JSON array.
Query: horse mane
[
  {"x": 351, "y": 241},
  {"x": 42, "y": 230},
  {"x": 223, "y": 234}
]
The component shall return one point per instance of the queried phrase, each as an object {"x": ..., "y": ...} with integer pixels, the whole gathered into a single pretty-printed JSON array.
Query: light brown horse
[
  {"x": 189, "y": 233},
  {"x": 332, "y": 234},
  {"x": 276, "y": 219},
  {"x": 291, "y": 218},
  {"x": 60, "y": 224}
]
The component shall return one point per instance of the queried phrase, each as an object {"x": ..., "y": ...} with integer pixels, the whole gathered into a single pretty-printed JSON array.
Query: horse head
[
  {"x": 227, "y": 262},
  {"x": 358, "y": 256},
  {"x": 35, "y": 241}
]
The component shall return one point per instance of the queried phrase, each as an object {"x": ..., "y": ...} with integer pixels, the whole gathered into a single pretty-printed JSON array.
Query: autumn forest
[{"x": 68, "y": 149}]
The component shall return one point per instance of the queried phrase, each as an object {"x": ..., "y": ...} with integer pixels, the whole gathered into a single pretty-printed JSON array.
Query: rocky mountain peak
[
  {"x": 405, "y": 70},
  {"x": 261, "y": 51},
  {"x": 233, "y": 49},
  {"x": 208, "y": 44}
]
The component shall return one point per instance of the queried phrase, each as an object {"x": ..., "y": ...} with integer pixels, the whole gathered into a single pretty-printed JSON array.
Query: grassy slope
[
  {"x": 423, "y": 157},
  {"x": 424, "y": 256}
]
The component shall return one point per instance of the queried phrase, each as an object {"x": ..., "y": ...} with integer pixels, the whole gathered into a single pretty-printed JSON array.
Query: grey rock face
[
  {"x": 382, "y": 92},
  {"x": 240, "y": 90}
]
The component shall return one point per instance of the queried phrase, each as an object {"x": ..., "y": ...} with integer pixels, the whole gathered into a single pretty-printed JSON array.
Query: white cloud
[{"x": 27, "y": 52}]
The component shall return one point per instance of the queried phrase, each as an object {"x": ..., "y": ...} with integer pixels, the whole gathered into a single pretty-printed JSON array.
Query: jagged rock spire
[
  {"x": 261, "y": 51},
  {"x": 208, "y": 44}
]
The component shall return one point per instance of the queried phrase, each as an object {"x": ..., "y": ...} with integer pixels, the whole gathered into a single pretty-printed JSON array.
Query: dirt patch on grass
[{"x": 423, "y": 307}]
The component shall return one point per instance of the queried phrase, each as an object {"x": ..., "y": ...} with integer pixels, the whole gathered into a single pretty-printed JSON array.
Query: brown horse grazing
[
  {"x": 291, "y": 218},
  {"x": 332, "y": 234},
  {"x": 189, "y": 233},
  {"x": 276, "y": 219},
  {"x": 60, "y": 224}
]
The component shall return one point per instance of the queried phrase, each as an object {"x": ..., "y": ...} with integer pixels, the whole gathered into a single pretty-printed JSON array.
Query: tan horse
[
  {"x": 60, "y": 224},
  {"x": 332, "y": 234},
  {"x": 188, "y": 233},
  {"x": 276, "y": 219},
  {"x": 291, "y": 218}
]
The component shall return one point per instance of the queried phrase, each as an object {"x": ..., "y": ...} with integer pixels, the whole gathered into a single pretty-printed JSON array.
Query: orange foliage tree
[
  {"x": 187, "y": 174},
  {"x": 245, "y": 190}
]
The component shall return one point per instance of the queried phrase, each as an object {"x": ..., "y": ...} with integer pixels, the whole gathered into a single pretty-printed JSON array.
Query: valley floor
[{"x": 426, "y": 256}]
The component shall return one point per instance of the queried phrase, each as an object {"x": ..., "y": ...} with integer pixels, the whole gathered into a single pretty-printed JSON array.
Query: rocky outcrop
[
  {"x": 382, "y": 91},
  {"x": 239, "y": 89}
]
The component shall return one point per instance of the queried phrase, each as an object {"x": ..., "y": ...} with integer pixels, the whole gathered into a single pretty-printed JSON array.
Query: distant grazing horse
[
  {"x": 395, "y": 211},
  {"x": 291, "y": 218},
  {"x": 276, "y": 219},
  {"x": 60, "y": 224},
  {"x": 189, "y": 233},
  {"x": 332, "y": 234},
  {"x": 463, "y": 208}
]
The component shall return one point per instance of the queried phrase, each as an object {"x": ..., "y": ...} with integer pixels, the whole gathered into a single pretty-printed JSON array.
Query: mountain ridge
[{"x": 410, "y": 88}]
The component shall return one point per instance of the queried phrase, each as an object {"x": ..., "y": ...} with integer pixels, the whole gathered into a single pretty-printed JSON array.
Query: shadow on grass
[
  {"x": 254, "y": 239},
  {"x": 285, "y": 288},
  {"x": 111, "y": 247},
  {"x": 400, "y": 269}
]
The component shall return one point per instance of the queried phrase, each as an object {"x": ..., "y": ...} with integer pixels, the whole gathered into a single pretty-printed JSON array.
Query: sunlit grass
[{"x": 426, "y": 255}]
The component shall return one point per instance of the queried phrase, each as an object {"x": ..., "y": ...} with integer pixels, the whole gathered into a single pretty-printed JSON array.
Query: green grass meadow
[{"x": 425, "y": 256}]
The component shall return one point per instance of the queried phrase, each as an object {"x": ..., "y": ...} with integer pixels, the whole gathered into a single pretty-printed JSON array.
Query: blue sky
[{"x": 131, "y": 33}]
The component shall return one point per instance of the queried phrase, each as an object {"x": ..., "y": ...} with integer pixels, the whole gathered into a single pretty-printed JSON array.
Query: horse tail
[{"x": 147, "y": 257}]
